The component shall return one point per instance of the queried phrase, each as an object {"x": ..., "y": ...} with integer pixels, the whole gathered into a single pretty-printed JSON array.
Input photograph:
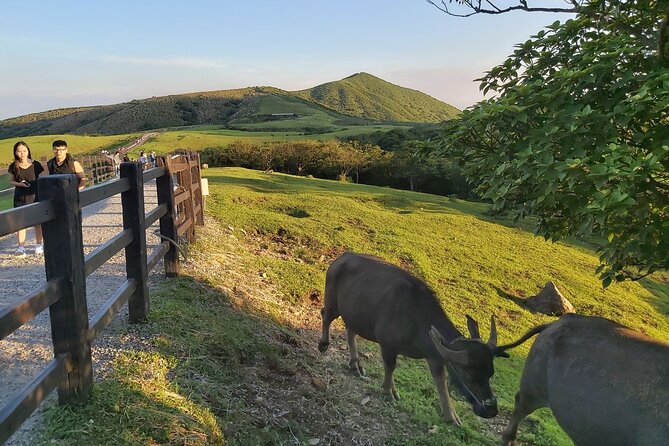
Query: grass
[
  {"x": 234, "y": 338},
  {"x": 199, "y": 138},
  {"x": 140, "y": 406}
]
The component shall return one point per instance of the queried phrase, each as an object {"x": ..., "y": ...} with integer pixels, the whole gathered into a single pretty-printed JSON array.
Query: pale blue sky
[{"x": 70, "y": 53}]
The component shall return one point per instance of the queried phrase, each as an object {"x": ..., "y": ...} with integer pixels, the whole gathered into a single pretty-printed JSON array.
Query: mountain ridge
[{"x": 358, "y": 98}]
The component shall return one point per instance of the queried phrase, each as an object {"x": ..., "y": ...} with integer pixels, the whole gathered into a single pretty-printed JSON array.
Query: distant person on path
[
  {"x": 24, "y": 173},
  {"x": 143, "y": 159},
  {"x": 152, "y": 159},
  {"x": 117, "y": 162},
  {"x": 62, "y": 162}
]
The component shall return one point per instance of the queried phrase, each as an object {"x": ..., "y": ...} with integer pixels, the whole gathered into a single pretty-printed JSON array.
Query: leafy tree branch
[
  {"x": 578, "y": 134},
  {"x": 471, "y": 8}
]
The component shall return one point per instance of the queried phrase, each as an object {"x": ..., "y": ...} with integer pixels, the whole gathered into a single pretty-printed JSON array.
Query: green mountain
[
  {"x": 365, "y": 95},
  {"x": 358, "y": 99}
]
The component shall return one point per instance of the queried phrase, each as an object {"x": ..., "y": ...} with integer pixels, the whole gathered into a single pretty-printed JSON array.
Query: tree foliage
[
  {"x": 366, "y": 163},
  {"x": 578, "y": 134}
]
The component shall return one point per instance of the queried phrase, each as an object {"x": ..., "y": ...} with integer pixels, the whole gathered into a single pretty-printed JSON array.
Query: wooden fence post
[
  {"x": 198, "y": 194},
  {"x": 135, "y": 253},
  {"x": 190, "y": 202},
  {"x": 168, "y": 222},
  {"x": 64, "y": 258}
]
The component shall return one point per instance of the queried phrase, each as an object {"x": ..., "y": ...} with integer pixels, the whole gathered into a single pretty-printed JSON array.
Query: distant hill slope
[
  {"x": 365, "y": 95},
  {"x": 358, "y": 98}
]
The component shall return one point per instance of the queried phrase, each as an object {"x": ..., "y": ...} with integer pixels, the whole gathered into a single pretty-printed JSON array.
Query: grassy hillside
[
  {"x": 212, "y": 136},
  {"x": 229, "y": 355},
  {"x": 365, "y": 95},
  {"x": 40, "y": 146},
  {"x": 356, "y": 100}
]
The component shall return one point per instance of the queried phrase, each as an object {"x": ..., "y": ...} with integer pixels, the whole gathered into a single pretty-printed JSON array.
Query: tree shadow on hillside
[
  {"x": 398, "y": 200},
  {"x": 658, "y": 286}
]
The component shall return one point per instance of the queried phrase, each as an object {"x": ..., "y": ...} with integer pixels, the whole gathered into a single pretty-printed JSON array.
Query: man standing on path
[{"x": 62, "y": 162}]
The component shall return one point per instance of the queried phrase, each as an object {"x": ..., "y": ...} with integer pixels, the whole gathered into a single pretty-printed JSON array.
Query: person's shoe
[
  {"x": 39, "y": 249},
  {"x": 20, "y": 251}
]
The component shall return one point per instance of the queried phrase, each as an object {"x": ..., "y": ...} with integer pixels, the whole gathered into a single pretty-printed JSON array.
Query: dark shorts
[{"x": 22, "y": 200}]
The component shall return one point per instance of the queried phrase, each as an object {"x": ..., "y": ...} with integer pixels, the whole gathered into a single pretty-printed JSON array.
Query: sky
[{"x": 75, "y": 53}]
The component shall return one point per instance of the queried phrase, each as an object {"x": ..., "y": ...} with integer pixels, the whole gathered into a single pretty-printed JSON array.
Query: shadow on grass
[
  {"x": 658, "y": 286},
  {"x": 515, "y": 299},
  {"x": 402, "y": 201}
]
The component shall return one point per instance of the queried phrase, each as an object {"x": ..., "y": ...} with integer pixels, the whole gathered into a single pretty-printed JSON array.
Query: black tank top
[{"x": 66, "y": 167}]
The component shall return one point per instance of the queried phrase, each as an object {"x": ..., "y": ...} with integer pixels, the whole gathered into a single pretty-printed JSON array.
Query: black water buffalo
[
  {"x": 606, "y": 384},
  {"x": 385, "y": 304}
]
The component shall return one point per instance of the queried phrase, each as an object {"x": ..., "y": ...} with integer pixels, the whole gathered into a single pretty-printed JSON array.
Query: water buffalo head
[{"x": 470, "y": 365}]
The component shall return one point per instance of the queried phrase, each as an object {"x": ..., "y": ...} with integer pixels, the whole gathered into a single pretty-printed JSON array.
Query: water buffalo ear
[
  {"x": 454, "y": 356},
  {"x": 492, "y": 341},
  {"x": 500, "y": 353},
  {"x": 473, "y": 327}
]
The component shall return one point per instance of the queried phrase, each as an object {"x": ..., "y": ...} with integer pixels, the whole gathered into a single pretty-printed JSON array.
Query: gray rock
[{"x": 550, "y": 301}]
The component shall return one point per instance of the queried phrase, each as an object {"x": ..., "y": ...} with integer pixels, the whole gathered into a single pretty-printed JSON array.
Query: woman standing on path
[{"x": 24, "y": 173}]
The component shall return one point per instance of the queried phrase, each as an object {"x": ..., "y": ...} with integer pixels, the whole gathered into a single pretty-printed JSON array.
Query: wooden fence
[
  {"x": 179, "y": 209},
  {"x": 98, "y": 168}
]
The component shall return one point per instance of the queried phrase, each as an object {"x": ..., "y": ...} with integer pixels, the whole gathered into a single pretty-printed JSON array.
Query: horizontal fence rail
[
  {"x": 21, "y": 407},
  {"x": 102, "y": 191},
  {"x": 32, "y": 304},
  {"x": 106, "y": 251},
  {"x": 105, "y": 314},
  {"x": 26, "y": 216},
  {"x": 64, "y": 293}
]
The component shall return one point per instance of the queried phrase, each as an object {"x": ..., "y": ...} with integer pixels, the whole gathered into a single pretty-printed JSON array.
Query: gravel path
[{"x": 24, "y": 353}]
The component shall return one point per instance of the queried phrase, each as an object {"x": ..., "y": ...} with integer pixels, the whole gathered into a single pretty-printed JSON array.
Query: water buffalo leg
[
  {"x": 328, "y": 315},
  {"x": 389, "y": 363},
  {"x": 524, "y": 406},
  {"x": 439, "y": 378},
  {"x": 354, "y": 363}
]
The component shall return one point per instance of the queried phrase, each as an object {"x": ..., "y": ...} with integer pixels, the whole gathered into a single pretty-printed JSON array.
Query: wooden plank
[
  {"x": 184, "y": 227},
  {"x": 102, "y": 191},
  {"x": 153, "y": 173},
  {"x": 178, "y": 167},
  {"x": 106, "y": 313},
  {"x": 198, "y": 209},
  {"x": 182, "y": 196},
  {"x": 28, "y": 307},
  {"x": 199, "y": 197},
  {"x": 155, "y": 214},
  {"x": 135, "y": 251},
  {"x": 157, "y": 254},
  {"x": 64, "y": 259},
  {"x": 22, "y": 406},
  {"x": 96, "y": 258},
  {"x": 190, "y": 204},
  {"x": 165, "y": 192},
  {"x": 14, "y": 219}
]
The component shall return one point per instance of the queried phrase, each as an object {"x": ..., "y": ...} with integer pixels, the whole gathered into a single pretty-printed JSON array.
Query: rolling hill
[
  {"x": 357, "y": 99},
  {"x": 365, "y": 95}
]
